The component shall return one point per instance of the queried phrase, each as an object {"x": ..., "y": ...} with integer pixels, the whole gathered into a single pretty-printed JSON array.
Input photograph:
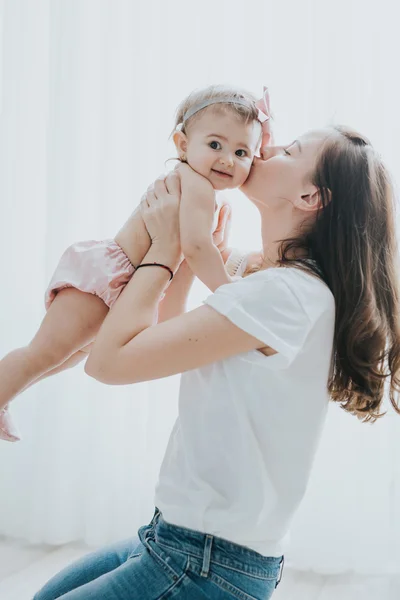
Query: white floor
[{"x": 23, "y": 569}]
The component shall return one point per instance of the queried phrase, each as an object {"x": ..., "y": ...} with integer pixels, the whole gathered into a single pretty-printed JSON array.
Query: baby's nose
[{"x": 227, "y": 160}]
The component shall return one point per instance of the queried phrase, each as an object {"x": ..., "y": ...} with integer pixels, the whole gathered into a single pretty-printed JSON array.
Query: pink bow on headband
[{"x": 264, "y": 116}]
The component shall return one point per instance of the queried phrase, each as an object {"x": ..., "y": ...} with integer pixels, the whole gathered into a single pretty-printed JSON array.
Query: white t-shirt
[{"x": 241, "y": 451}]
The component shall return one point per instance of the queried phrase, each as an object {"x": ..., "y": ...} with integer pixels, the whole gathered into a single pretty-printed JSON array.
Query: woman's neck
[{"x": 273, "y": 231}]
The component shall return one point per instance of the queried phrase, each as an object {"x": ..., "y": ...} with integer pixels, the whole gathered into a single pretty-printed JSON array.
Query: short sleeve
[{"x": 265, "y": 305}]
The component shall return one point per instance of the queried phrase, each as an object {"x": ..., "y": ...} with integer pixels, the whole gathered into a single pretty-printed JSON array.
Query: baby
[{"x": 218, "y": 131}]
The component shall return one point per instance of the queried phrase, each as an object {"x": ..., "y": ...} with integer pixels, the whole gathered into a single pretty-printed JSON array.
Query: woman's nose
[{"x": 269, "y": 151}]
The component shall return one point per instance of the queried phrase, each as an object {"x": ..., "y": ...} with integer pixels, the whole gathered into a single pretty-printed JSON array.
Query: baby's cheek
[
  {"x": 199, "y": 165},
  {"x": 197, "y": 162},
  {"x": 243, "y": 175}
]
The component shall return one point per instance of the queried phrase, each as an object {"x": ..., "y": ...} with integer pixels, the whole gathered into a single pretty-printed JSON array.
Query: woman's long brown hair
[{"x": 354, "y": 246}]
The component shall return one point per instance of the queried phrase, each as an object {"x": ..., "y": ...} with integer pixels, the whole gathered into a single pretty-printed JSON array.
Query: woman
[{"x": 316, "y": 318}]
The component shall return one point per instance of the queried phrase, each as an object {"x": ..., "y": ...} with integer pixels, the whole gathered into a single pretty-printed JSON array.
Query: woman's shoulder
[
  {"x": 279, "y": 306},
  {"x": 302, "y": 281},
  {"x": 306, "y": 285},
  {"x": 307, "y": 273}
]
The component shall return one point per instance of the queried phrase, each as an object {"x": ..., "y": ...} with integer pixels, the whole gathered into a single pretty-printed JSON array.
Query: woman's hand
[{"x": 160, "y": 212}]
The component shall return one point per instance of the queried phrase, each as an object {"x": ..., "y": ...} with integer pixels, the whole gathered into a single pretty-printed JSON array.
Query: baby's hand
[{"x": 223, "y": 227}]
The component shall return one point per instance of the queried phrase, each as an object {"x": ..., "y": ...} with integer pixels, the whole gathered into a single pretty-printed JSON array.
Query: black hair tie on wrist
[{"x": 154, "y": 264}]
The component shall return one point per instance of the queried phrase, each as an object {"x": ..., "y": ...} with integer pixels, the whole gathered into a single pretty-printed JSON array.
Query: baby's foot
[{"x": 8, "y": 429}]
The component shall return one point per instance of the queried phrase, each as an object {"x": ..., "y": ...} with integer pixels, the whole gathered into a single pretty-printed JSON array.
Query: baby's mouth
[{"x": 222, "y": 174}]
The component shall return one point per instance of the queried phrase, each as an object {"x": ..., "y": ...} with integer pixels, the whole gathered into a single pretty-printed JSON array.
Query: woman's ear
[
  {"x": 311, "y": 200},
  {"x": 180, "y": 141}
]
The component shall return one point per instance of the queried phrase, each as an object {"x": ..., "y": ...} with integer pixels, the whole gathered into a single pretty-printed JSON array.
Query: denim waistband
[{"x": 209, "y": 548}]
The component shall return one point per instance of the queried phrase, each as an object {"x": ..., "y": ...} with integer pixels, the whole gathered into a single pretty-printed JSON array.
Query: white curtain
[{"x": 88, "y": 93}]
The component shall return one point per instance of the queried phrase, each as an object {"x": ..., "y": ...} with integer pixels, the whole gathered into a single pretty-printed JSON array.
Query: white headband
[
  {"x": 261, "y": 105},
  {"x": 197, "y": 107}
]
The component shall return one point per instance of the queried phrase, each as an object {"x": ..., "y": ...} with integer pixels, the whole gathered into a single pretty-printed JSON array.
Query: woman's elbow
[{"x": 99, "y": 370}]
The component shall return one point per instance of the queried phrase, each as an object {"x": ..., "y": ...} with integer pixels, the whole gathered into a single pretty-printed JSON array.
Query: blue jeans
[{"x": 167, "y": 561}]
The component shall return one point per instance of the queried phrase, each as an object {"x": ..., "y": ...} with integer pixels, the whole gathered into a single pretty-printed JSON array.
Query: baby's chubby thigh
[{"x": 71, "y": 323}]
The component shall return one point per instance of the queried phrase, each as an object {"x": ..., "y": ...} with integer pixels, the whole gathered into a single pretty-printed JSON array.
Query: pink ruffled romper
[
  {"x": 97, "y": 267},
  {"x": 102, "y": 268}
]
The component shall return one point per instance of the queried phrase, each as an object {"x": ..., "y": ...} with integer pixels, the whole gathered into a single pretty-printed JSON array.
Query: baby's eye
[
  {"x": 286, "y": 152},
  {"x": 215, "y": 145},
  {"x": 241, "y": 153}
]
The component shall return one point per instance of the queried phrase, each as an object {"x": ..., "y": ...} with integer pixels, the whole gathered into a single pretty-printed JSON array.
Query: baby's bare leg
[
  {"x": 71, "y": 362},
  {"x": 71, "y": 323}
]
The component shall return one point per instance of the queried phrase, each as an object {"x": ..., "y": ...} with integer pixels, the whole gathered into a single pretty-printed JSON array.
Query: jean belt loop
[
  {"x": 280, "y": 572},
  {"x": 155, "y": 517},
  {"x": 207, "y": 555}
]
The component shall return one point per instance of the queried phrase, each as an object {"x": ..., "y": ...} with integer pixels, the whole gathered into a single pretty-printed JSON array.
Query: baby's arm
[{"x": 196, "y": 223}]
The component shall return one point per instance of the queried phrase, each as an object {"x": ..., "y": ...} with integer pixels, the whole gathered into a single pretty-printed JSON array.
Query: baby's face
[{"x": 221, "y": 148}]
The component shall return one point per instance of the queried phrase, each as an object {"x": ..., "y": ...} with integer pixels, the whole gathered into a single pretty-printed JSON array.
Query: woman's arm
[
  {"x": 177, "y": 293},
  {"x": 175, "y": 300},
  {"x": 130, "y": 347}
]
